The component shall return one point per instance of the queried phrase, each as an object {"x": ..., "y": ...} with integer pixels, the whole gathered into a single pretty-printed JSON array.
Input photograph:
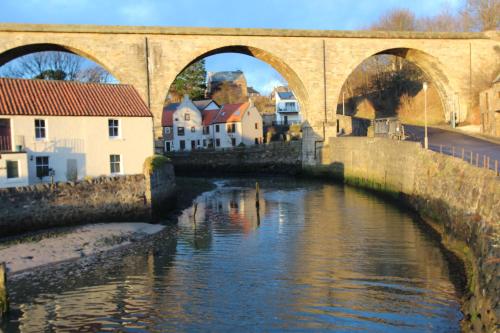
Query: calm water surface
[{"x": 315, "y": 257}]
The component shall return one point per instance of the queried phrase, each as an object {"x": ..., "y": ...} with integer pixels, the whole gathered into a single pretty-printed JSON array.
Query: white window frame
[
  {"x": 117, "y": 127},
  {"x": 45, "y": 128},
  {"x": 19, "y": 173},
  {"x": 42, "y": 165},
  {"x": 120, "y": 164}
]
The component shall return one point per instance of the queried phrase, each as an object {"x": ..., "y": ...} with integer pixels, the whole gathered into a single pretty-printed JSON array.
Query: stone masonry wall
[
  {"x": 276, "y": 157},
  {"x": 103, "y": 199},
  {"x": 463, "y": 199}
]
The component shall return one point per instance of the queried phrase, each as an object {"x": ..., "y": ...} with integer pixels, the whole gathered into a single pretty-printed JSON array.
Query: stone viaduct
[{"x": 315, "y": 63}]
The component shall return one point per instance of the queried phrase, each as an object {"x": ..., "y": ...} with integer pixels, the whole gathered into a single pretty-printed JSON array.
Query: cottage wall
[{"x": 82, "y": 142}]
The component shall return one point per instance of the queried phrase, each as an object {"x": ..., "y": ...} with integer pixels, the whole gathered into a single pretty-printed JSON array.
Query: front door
[
  {"x": 5, "y": 143},
  {"x": 286, "y": 120}
]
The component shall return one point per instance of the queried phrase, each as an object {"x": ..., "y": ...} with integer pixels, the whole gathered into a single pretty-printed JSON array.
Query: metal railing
[{"x": 474, "y": 158}]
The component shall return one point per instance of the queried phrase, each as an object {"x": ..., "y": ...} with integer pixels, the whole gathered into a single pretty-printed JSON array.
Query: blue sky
[{"x": 287, "y": 14}]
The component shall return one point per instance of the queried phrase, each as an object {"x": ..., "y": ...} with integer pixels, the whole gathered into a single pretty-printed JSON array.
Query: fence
[{"x": 474, "y": 158}]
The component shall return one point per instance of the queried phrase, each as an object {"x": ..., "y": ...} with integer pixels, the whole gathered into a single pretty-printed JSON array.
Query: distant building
[
  {"x": 65, "y": 131},
  {"x": 195, "y": 125},
  {"x": 216, "y": 79},
  {"x": 489, "y": 102},
  {"x": 287, "y": 108},
  {"x": 251, "y": 92}
]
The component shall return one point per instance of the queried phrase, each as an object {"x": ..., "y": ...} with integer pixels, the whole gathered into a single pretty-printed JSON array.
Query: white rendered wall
[
  {"x": 195, "y": 120},
  {"x": 86, "y": 140}
]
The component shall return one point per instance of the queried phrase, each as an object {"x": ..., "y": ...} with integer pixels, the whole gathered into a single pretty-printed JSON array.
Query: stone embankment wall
[
  {"x": 103, "y": 199},
  {"x": 464, "y": 200},
  {"x": 275, "y": 157}
]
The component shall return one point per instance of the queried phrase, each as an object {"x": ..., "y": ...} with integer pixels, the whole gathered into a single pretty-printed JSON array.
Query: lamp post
[{"x": 426, "y": 139}]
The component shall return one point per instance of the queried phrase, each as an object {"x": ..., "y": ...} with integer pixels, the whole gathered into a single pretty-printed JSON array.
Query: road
[{"x": 448, "y": 139}]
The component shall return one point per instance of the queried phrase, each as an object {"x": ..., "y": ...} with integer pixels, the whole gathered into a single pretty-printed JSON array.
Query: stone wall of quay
[
  {"x": 272, "y": 158},
  {"x": 461, "y": 201},
  {"x": 103, "y": 199}
]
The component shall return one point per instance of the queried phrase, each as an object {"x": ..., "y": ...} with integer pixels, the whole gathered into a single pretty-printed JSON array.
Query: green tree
[{"x": 190, "y": 81}]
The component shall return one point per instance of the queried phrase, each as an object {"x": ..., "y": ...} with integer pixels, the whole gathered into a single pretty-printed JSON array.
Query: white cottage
[
  {"x": 60, "y": 131},
  {"x": 210, "y": 125},
  {"x": 287, "y": 108}
]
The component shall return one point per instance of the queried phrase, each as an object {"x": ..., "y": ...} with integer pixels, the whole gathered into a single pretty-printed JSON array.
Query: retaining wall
[
  {"x": 103, "y": 199},
  {"x": 275, "y": 157},
  {"x": 463, "y": 199}
]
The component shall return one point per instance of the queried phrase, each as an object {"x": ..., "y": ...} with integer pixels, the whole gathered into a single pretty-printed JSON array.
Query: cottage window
[
  {"x": 182, "y": 144},
  {"x": 114, "y": 164},
  {"x": 193, "y": 129},
  {"x": 217, "y": 128},
  {"x": 206, "y": 130},
  {"x": 231, "y": 128},
  {"x": 42, "y": 166},
  {"x": 180, "y": 131},
  {"x": 40, "y": 129},
  {"x": 204, "y": 142},
  {"x": 217, "y": 142},
  {"x": 187, "y": 116},
  {"x": 256, "y": 126},
  {"x": 167, "y": 130},
  {"x": 12, "y": 169},
  {"x": 233, "y": 142},
  {"x": 113, "y": 128},
  {"x": 256, "y": 141}
]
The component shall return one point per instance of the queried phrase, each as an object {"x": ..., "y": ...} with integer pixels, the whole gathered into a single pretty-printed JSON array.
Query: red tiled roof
[
  {"x": 209, "y": 116},
  {"x": 65, "y": 98},
  {"x": 167, "y": 118},
  {"x": 231, "y": 113}
]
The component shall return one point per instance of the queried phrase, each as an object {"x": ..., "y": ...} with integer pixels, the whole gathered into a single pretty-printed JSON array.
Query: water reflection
[{"x": 312, "y": 256}]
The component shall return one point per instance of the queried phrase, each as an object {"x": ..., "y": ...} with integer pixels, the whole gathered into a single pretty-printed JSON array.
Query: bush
[{"x": 154, "y": 162}]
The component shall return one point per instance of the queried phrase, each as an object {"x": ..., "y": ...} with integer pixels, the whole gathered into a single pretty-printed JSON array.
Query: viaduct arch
[{"x": 315, "y": 63}]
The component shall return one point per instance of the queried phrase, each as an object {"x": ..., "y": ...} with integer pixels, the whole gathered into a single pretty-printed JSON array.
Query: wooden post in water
[
  {"x": 194, "y": 213},
  {"x": 463, "y": 153},
  {"x": 471, "y": 158},
  {"x": 4, "y": 297},
  {"x": 477, "y": 159},
  {"x": 257, "y": 203},
  {"x": 440, "y": 149},
  {"x": 496, "y": 167},
  {"x": 453, "y": 151}
]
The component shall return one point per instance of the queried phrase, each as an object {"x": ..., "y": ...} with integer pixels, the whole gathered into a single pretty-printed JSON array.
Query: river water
[{"x": 313, "y": 257}]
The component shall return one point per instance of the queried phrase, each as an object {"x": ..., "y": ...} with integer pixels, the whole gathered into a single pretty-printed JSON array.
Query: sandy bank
[{"x": 80, "y": 242}]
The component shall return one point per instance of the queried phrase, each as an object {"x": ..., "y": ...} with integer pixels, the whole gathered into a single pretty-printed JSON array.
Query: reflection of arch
[
  {"x": 433, "y": 69},
  {"x": 279, "y": 65},
  {"x": 23, "y": 50}
]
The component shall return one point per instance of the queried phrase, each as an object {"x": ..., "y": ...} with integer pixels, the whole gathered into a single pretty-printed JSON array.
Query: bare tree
[
  {"x": 52, "y": 65},
  {"x": 396, "y": 20},
  {"x": 481, "y": 15}
]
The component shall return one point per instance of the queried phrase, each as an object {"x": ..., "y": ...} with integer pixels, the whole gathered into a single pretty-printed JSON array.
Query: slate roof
[
  {"x": 286, "y": 95},
  {"x": 202, "y": 104},
  {"x": 65, "y": 98},
  {"x": 225, "y": 76}
]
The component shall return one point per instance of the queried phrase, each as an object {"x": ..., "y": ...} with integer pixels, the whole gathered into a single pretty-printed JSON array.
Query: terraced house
[
  {"x": 203, "y": 124},
  {"x": 65, "y": 131}
]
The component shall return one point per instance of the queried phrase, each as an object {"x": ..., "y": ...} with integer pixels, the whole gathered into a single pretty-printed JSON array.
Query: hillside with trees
[{"x": 386, "y": 85}]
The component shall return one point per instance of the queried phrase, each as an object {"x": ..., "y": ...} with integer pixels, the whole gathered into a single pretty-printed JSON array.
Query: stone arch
[
  {"x": 432, "y": 68},
  {"x": 278, "y": 64},
  {"x": 27, "y": 49}
]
